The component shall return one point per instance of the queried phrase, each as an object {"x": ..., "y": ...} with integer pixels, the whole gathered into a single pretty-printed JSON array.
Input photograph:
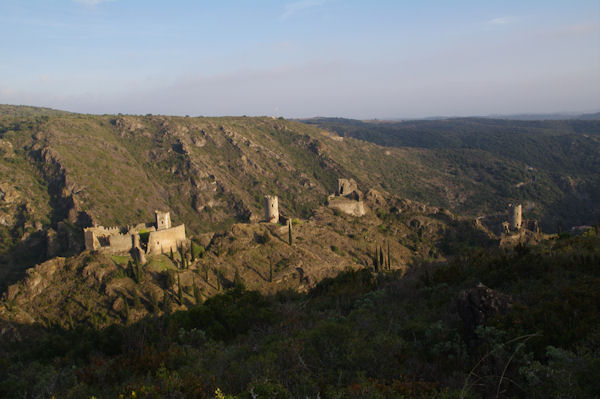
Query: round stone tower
[
  {"x": 271, "y": 209},
  {"x": 517, "y": 218}
]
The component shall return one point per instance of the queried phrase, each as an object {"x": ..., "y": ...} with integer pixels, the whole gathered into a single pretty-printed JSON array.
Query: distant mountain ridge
[{"x": 564, "y": 154}]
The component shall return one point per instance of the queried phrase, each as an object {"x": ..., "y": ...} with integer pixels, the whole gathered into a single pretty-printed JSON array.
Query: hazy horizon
[{"x": 299, "y": 59}]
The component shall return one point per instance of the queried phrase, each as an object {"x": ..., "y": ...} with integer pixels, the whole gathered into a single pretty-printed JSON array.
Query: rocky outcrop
[{"x": 6, "y": 149}]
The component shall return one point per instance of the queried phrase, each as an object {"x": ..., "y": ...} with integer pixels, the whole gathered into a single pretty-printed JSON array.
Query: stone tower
[
  {"x": 271, "y": 209},
  {"x": 517, "y": 218},
  {"x": 346, "y": 187},
  {"x": 163, "y": 220}
]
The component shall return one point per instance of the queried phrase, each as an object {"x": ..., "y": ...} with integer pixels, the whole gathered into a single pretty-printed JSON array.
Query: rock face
[{"x": 477, "y": 305}]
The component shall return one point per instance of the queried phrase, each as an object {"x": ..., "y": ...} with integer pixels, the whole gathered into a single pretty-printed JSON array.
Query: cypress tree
[
  {"x": 154, "y": 302},
  {"x": 197, "y": 293},
  {"x": 376, "y": 260},
  {"x": 181, "y": 257},
  {"x": 179, "y": 290},
  {"x": 137, "y": 270},
  {"x": 166, "y": 302},
  {"x": 290, "y": 232},
  {"x": 237, "y": 280},
  {"x": 218, "y": 276},
  {"x": 381, "y": 260},
  {"x": 205, "y": 269},
  {"x": 389, "y": 257},
  {"x": 270, "y": 270},
  {"x": 136, "y": 299},
  {"x": 126, "y": 308}
]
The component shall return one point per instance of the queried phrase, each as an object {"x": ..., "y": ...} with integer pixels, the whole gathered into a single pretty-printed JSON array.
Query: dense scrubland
[{"x": 361, "y": 334}]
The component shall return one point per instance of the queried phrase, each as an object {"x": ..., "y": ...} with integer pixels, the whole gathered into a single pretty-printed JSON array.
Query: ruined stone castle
[
  {"x": 517, "y": 223},
  {"x": 151, "y": 239},
  {"x": 347, "y": 198}
]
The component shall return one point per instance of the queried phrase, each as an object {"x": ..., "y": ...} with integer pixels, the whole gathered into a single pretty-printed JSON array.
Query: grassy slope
[
  {"x": 213, "y": 172},
  {"x": 492, "y": 156},
  {"x": 125, "y": 173}
]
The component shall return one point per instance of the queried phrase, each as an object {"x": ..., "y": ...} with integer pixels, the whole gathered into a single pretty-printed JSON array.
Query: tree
[
  {"x": 197, "y": 293},
  {"x": 205, "y": 270},
  {"x": 154, "y": 302},
  {"x": 125, "y": 309},
  {"x": 237, "y": 279},
  {"x": 136, "y": 299},
  {"x": 179, "y": 290},
  {"x": 389, "y": 257},
  {"x": 290, "y": 231},
  {"x": 166, "y": 302},
  {"x": 376, "y": 260},
  {"x": 181, "y": 256}
]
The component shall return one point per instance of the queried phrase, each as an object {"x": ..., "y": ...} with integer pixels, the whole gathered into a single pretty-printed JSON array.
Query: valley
[{"x": 280, "y": 238}]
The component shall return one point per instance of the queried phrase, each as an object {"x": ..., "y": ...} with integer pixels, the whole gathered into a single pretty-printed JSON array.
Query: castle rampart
[
  {"x": 120, "y": 242},
  {"x": 163, "y": 241},
  {"x": 348, "y": 198}
]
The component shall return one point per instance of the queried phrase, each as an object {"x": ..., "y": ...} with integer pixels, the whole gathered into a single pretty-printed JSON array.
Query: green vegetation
[
  {"x": 554, "y": 164},
  {"x": 356, "y": 335},
  {"x": 192, "y": 325}
]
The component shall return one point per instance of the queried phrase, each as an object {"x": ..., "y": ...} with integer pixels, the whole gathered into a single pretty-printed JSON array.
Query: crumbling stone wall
[
  {"x": 120, "y": 242},
  {"x": 162, "y": 237},
  {"x": 163, "y": 241},
  {"x": 348, "y": 198},
  {"x": 93, "y": 235},
  {"x": 348, "y": 206}
]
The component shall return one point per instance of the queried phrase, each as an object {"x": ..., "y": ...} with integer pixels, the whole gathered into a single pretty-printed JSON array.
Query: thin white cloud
[
  {"x": 297, "y": 6},
  {"x": 92, "y": 3},
  {"x": 501, "y": 21}
]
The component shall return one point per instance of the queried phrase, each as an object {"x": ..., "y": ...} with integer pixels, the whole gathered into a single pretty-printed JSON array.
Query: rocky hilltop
[{"x": 61, "y": 172}]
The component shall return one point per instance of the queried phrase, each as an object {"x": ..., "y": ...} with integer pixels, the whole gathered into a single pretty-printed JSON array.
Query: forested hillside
[
  {"x": 529, "y": 331},
  {"x": 554, "y": 166}
]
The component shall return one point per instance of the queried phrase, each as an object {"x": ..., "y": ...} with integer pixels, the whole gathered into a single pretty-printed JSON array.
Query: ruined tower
[
  {"x": 271, "y": 209},
  {"x": 517, "y": 217},
  {"x": 346, "y": 187},
  {"x": 163, "y": 220}
]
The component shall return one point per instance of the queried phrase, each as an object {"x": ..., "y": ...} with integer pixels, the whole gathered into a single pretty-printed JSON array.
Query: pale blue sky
[{"x": 361, "y": 59}]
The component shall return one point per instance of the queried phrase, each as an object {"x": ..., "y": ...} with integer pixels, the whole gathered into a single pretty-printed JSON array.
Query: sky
[{"x": 346, "y": 58}]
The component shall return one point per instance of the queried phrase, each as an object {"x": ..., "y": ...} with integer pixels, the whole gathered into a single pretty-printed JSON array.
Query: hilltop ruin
[
  {"x": 518, "y": 230},
  {"x": 157, "y": 238},
  {"x": 348, "y": 198}
]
